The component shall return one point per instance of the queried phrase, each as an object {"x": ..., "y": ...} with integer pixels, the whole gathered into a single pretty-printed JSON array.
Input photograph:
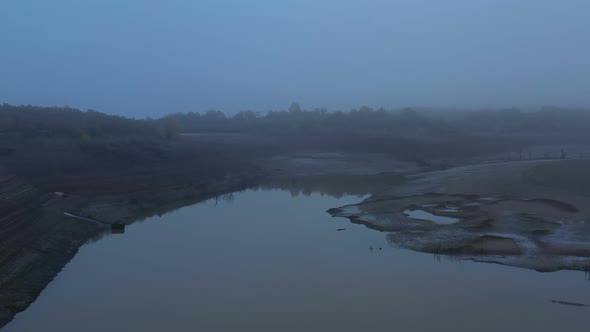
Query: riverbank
[
  {"x": 38, "y": 238},
  {"x": 521, "y": 214}
]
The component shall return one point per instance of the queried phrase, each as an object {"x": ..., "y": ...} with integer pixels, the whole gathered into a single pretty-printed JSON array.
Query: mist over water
[{"x": 297, "y": 165}]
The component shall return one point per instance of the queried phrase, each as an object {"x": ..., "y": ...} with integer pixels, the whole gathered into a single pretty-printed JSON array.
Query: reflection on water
[
  {"x": 336, "y": 185},
  {"x": 267, "y": 261}
]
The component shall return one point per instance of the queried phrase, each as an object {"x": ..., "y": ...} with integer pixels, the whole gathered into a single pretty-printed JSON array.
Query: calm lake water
[{"x": 268, "y": 261}]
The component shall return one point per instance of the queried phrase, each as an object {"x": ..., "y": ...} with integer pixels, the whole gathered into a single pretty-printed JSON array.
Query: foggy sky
[{"x": 151, "y": 57}]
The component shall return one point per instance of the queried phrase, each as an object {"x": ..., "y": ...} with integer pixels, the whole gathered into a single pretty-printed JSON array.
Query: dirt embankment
[
  {"x": 35, "y": 243},
  {"x": 37, "y": 239}
]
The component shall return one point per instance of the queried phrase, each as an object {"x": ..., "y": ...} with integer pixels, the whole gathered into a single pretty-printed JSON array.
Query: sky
[{"x": 143, "y": 58}]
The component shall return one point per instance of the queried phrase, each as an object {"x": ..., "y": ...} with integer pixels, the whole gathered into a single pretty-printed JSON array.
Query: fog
[
  {"x": 148, "y": 58},
  {"x": 271, "y": 165}
]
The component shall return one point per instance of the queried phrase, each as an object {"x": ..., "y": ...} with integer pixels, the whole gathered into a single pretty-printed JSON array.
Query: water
[
  {"x": 424, "y": 215},
  {"x": 267, "y": 261}
]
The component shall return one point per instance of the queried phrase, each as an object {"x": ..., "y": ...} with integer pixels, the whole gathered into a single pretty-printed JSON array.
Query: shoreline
[
  {"x": 47, "y": 239},
  {"x": 512, "y": 214},
  {"x": 33, "y": 260},
  {"x": 35, "y": 257}
]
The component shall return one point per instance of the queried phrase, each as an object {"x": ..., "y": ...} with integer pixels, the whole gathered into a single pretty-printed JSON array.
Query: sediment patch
[{"x": 536, "y": 233}]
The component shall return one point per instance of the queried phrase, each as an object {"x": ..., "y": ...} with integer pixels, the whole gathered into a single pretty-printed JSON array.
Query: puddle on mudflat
[
  {"x": 423, "y": 215},
  {"x": 472, "y": 204},
  {"x": 488, "y": 199}
]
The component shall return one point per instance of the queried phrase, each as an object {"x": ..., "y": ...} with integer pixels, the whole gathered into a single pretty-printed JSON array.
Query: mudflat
[{"x": 513, "y": 213}]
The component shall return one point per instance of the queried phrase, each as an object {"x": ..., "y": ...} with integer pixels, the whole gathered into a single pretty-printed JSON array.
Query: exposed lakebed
[
  {"x": 424, "y": 215},
  {"x": 270, "y": 260}
]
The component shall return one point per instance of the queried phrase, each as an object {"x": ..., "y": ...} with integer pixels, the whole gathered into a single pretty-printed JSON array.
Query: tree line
[
  {"x": 412, "y": 132},
  {"x": 65, "y": 122}
]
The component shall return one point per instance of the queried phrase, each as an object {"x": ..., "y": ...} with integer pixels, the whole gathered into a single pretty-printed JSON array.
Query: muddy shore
[
  {"x": 38, "y": 239},
  {"x": 519, "y": 214}
]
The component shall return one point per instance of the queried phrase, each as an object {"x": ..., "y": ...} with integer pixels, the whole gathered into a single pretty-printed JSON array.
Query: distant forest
[
  {"x": 549, "y": 123},
  {"x": 64, "y": 122},
  {"x": 414, "y": 134}
]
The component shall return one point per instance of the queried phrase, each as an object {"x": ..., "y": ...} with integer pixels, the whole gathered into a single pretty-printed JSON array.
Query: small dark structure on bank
[{"x": 118, "y": 228}]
